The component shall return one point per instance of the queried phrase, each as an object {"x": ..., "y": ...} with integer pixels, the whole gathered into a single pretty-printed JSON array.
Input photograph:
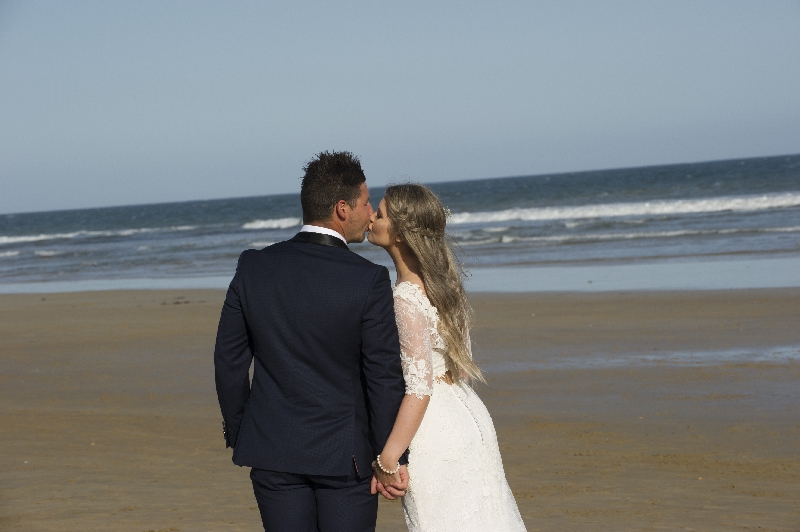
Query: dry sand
[{"x": 109, "y": 421}]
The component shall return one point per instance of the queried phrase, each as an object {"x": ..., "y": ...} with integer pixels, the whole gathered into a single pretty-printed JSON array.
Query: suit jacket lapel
[{"x": 319, "y": 239}]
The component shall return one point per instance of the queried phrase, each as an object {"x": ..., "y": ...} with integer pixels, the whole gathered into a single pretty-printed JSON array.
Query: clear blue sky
[{"x": 110, "y": 103}]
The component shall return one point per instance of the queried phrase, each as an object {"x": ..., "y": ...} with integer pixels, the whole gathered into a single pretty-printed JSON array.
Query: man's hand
[{"x": 390, "y": 486}]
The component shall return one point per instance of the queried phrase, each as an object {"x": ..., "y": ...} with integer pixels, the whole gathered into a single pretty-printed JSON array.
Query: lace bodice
[{"x": 421, "y": 347}]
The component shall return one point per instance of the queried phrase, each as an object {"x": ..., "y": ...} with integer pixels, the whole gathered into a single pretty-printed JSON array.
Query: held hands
[{"x": 390, "y": 486}]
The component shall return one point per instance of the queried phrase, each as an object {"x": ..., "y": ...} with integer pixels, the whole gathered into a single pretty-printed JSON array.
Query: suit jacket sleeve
[
  {"x": 380, "y": 355},
  {"x": 233, "y": 355}
]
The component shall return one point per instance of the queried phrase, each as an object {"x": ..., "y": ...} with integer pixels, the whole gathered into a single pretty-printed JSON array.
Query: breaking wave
[
  {"x": 646, "y": 208},
  {"x": 508, "y": 239},
  {"x": 273, "y": 223},
  {"x": 88, "y": 234}
]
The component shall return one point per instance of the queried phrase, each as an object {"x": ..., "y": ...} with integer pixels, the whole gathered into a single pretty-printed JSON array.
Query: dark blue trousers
[{"x": 311, "y": 503}]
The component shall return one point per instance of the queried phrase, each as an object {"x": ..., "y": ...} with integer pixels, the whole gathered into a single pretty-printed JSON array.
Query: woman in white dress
[{"x": 456, "y": 478}]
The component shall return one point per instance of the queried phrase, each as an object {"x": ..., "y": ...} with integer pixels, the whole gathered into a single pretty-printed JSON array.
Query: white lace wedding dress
[{"x": 456, "y": 477}]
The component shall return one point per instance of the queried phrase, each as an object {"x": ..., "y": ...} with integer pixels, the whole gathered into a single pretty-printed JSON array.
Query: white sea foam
[
  {"x": 507, "y": 239},
  {"x": 46, "y": 253},
  {"x": 495, "y": 229},
  {"x": 647, "y": 208},
  {"x": 76, "y": 234},
  {"x": 272, "y": 223},
  {"x": 124, "y": 232},
  {"x": 35, "y": 238},
  {"x": 259, "y": 245},
  {"x": 464, "y": 240},
  {"x": 9, "y": 254},
  {"x": 794, "y": 229}
]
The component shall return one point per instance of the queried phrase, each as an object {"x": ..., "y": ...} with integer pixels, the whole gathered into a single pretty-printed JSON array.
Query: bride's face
[{"x": 380, "y": 228}]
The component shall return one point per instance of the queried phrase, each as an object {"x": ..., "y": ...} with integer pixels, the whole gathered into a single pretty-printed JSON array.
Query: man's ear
[{"x": 340, "y": 211}]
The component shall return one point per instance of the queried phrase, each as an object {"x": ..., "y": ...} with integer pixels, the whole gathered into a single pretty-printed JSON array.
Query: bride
[{"x": 455, "y": 474}]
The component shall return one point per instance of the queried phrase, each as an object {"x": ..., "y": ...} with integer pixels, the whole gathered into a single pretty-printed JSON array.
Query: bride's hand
[
  {"x": 403, "y": 486},
  {"x": 390, "y": 486}
]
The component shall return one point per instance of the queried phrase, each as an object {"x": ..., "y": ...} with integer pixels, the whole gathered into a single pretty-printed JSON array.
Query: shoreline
[
  {"x": 652, "y": 276},
  {"x": 109, "y": 419}
]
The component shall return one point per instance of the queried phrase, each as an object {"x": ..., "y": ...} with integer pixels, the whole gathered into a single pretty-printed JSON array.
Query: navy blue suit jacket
[{"x": 327, "y": 383}]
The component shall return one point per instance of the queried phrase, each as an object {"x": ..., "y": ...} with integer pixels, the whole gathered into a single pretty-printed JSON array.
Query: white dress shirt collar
[{"x": 323, "y": 230}]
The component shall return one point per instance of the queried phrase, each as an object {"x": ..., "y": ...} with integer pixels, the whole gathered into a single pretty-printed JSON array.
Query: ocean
[{"x": 743, "y": 211}]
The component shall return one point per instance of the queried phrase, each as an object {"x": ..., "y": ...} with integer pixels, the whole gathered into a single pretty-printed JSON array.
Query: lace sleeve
[{"x": 415, "y": 348}]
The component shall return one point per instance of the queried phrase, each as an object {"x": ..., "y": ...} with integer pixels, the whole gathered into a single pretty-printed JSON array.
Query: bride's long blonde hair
[{"x": 418, "y": 217}]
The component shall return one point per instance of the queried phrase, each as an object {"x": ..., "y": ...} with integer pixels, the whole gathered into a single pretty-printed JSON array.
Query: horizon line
[{"x": 550, "y": 174}]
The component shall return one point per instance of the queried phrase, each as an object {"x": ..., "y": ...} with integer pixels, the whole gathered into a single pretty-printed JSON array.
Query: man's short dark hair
[{"x": 329, "y": 178}]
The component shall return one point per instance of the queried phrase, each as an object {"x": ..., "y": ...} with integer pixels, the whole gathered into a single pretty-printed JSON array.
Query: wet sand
[{"x": 109, "y": 421}]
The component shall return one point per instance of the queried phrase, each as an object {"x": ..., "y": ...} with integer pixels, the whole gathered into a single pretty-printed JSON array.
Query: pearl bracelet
[{"x": 378, "y": 460}]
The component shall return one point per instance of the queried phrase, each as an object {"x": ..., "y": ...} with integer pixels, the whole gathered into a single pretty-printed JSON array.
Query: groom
[{"x": 319, "y": 322}]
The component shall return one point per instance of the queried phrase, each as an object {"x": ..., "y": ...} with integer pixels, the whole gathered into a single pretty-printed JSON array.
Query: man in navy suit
[{"x": 317, "y": 322}]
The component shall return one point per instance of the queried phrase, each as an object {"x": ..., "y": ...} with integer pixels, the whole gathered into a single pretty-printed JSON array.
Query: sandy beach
[{"x": 607, "y": 416}]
